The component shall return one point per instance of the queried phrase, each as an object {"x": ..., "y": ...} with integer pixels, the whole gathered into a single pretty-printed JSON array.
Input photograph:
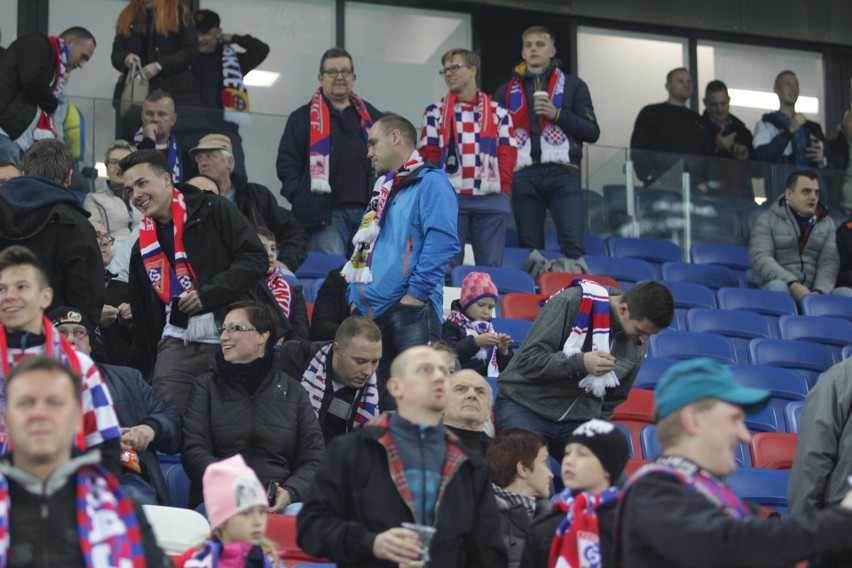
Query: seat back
[
  {"x": 650, "y": 372},
  {"x": 178, "y": 483},
  {"x": 710, "y": 275},
  {"x": 519, "y": 306},
  {"x": 506, "y": 279},
  {"x": 738, "y": 327},
  {"x": 281, "y": 530},
  {"x": 846, "y": 352},
  {"x": 688, "y": 295},
  {"x": 515, "y": 257},
  {"x": 654, "y": 251},
  {"x": 771, "y": 305},
  {"x": 318, "y": 264},
  {"x": 628, "y": 271},
  {"x": 734, "y": 257},
  {"x": 552, "y": 282},
  {"x": 595, "y": 245},
  {"x": 176, "y": 530},
  {"x": 793, "y": 416},
  {"x": 786, "y": 386},
  {"x": 651, "y": 449},
  {"x": 638, "y": 406},
  {"x": 516, "y": 329},
  {"x": 312, "y": 291},
  {"x": 686, "y": 345},
  {"x": 830, "y": 332},
  {"x": 773, "y": 450},
  {"x": 807, "y": 359},
  {"x": 827, "y": 306},
  {"x": 766, "y": 487}
]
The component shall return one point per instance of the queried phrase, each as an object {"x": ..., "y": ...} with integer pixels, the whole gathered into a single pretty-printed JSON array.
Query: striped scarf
[
  {"x": 805, "y": 231},
  {"x": 555, "y": 146},
  {"x": 319, "y": 154},
  {"x": 314, "y": 381},
  {"x": 472, "y": 328},
  {"x": 594, "y": 312},
  {"x": 281, "y": 290},
  {"x": 458, "y": 137},
  {"x": 577, "y": 540},
  {"x": 235, "y": 100},
  {"x": 357, "y": 270},
  {"x": 44, "y": 125},
  {"x": 107, "y": 525},
  {"x": 173, "y": 157}
]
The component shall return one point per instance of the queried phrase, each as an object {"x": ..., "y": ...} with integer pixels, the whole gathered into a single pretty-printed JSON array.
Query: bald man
[
  {"x": 430, "y": 479},
  {"x": 468, "y": 409}
]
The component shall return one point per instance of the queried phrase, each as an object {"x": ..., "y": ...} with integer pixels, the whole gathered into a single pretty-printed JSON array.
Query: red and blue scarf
[
  {"x": 173, "y": 155},
  {"x": 235, "y": 101},
  {"x": 167, "y": 282},
  {"x": 577, "y": 540},
  {"x": 454, "y": 138},
  {"x": 281, "y": 290},
  {"x": 555, "y": 146},
  {"x": 472, "y": 328},
  {"x": 319, "y": 154},
  {"x": 314, "y": 382},
  {"x": 44, "y": 127}
]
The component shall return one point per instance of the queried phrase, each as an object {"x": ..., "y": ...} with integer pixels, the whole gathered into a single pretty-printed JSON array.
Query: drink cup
[{"x": 425, "y": 534}]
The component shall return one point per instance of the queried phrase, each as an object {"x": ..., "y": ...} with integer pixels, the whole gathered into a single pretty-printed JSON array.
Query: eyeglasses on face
[
  {"x": 453, "y": 69},
  {"x": 233, "y": 328},
  {"x": 103, "y": 239},
  {"x": 333, "y": 73}
]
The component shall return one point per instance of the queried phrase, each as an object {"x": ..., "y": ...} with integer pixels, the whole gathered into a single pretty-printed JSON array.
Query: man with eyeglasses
[
  {"x": 472, "y": 137},
  {"x": 322, "y": 157},
  {"x": 38, "y": 211},
  {"x": 552, "y": 114}
]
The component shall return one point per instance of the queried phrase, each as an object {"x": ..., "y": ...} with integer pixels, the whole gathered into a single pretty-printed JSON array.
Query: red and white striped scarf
[
  {"x": 281, "y": 290},
  {"x": 577, "y": 540},
  {"x": 314, "y": 382},
  {"x": 44, "y": 126}
]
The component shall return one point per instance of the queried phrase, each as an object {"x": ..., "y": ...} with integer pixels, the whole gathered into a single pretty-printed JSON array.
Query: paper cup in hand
[{"x": 541, "y": 94}]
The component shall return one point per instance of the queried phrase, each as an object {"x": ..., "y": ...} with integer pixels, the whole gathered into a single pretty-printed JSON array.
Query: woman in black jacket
[{"x": 246, "y": 406}]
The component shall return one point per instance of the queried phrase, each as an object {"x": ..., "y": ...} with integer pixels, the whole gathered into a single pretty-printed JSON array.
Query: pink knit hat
[
  {"x": 230, "y": 487},
  {"x": 476, "y": 286}
]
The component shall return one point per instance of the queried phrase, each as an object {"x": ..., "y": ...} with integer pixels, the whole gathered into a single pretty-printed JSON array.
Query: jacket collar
[{"x": 56, "y": 481}]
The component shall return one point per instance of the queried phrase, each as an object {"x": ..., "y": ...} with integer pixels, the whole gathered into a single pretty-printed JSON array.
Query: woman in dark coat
[{"x": 246, "y": 406}]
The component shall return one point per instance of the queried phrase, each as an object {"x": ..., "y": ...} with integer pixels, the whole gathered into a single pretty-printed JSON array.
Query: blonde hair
[{"x": 670, "y": 428}]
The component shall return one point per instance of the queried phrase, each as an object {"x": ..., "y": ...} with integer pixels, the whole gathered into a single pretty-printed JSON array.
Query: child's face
[
  {"x": 481, "y": 310},
  {"x": 582, "y": 470},
  {"x": 271, "y": 252},
  {"x": 248, "y": 526}
]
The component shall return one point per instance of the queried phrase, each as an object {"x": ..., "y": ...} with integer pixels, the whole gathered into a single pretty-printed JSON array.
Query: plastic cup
[
  {"x": 541, "y": 94},
  {"x": 425, "y": 534}
]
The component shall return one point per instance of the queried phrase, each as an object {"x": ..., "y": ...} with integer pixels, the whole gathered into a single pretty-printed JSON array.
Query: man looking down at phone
[{"x": 196, "y": 254}]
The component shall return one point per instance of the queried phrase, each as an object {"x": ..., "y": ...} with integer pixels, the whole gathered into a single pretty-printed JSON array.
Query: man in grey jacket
[
  {"x": 542, "y": 388},
  {"x": 793, "y": 248}
]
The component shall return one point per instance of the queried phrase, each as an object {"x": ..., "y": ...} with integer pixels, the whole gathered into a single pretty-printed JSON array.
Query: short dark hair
[
  {"x": 78, "y": 32},
  {"x": 43, "y": 363},
  {"x": 468, "y": 56},
  {"x": 49, "y": 159},
  {"x": 715, "y": 86},
  {"x": 357, "y": 326},
  {"x": 650, "y": 300},
  {"x": 157, "y": 95},
  {"x": 540, "y": 30},
  {"x": 781, "y": 74},
  {"x": 507, "y": 449},
  {"x": 675, "y": 70},
  {"x": 265, "y": 233},
  {"x": 793, "y": 178},
  {"x": 334, "y": 53},
  {"x": 261, "y": 316},
  {"x": 151, "y": 157},
  {"x": 18, "y": 255},
  {"x": 391, "y": 121}
]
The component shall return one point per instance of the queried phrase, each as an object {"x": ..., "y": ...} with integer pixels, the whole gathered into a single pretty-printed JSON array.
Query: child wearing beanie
[
  {"x": 469, "y": 331},
  {"x": 581, "y": 523},
  {"x": 236, "y": 508}
]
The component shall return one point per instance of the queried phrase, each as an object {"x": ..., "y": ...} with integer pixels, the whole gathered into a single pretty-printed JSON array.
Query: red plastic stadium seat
[
  {"x": 281, "y": 530},
  {"x": 551, "y": 282},
  {"x": 773, "y": 450},
  {"x": 519, "y": 306}
]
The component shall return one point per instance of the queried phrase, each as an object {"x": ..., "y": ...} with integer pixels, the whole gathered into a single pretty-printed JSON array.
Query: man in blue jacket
[{"x": 408, "y": 236}]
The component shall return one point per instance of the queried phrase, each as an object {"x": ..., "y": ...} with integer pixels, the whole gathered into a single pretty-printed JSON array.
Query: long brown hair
[{"x": 169, "y": 15}]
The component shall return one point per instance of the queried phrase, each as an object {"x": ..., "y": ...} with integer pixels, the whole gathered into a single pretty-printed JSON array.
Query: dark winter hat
[
  {"x": 66, "y": 314},
  {"x": 607, "y": 442},
  {"x": 206, "y": 20}
]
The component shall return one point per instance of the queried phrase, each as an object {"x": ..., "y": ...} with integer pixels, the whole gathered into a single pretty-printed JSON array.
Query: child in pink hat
[
  {"x": 468, "y": 328},
  {"x": 236, "y": 506}
]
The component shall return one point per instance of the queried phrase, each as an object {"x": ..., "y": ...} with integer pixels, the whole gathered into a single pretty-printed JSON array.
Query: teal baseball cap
[{"x": 689, "y": 381}]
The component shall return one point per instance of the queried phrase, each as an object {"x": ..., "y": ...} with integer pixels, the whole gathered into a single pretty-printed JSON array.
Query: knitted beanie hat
[
  {"x": 230, "y": 487},
  {"x": 476, "y": 286},
  {"x": 607, "y": 443}
]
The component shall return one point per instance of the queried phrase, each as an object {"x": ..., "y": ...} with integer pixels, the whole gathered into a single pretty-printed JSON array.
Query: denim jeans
[
  {"x": 405, "y": 326},
  {"x": 540, "y": 187},
  {"x": 336, "y": 237},
  {"x": 508, "y": 414},
  {"x": 9, "y": 149}
]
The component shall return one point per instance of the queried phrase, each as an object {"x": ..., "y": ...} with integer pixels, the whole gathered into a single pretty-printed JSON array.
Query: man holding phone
[{"x": 195, "y": 255}]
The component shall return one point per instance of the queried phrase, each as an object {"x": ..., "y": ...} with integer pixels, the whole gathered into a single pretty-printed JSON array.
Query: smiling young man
[
  {"x": 678, "y": 512},
  {"x": 403, "y": 467},
  {"x": 195, "y": 255},
  {"x": 579, "y": 359},
  {"x": 793, "y": 245}
]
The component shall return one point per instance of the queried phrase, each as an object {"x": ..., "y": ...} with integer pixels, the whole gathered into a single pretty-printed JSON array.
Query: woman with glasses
[
  {"x": 245, "y": 405},
  {"x": 108, "y": 204}
]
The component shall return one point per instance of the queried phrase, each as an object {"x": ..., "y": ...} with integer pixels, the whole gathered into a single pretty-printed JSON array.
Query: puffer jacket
[
  {"x": 113, "y": 212},
  {"x": 274, "y": 429},
  {"x": 774, "y": 249},
  {"x": 26, "y": 71}
]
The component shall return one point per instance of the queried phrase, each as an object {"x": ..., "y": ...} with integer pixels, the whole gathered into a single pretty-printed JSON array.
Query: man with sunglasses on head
[
  {"x": 472, "y": 137},
  {"x": 322, "y": 157}
]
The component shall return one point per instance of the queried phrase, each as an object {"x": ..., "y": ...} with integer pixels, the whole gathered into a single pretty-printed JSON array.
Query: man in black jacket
[
  {"x": 680, "y": 513},
  {"x": 220, "y": 71},
  {"x": 32, "y": 76},
  {"x": 404, "y": 467},
  {"x": 322, "y": 157},
  {"x": 39, "y": 212},
  {"x": 215, "y": 158},
  {"x": 196, "y": 254}
]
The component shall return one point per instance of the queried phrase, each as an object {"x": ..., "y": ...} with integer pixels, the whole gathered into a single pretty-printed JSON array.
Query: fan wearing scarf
[
  {"x": 322, "y": 161},
  {"x": 471, "y": 136},
  {"x": 580, "y": 358},
  {"x": 195, "y": 255},
  {"x": 25, "y": 332},
  {"x": 407, "y": 237},
  {"x": 578, "y": 529},
  {"x": 468, "y": 328},
  {"x": 679, "y": 512},
  {"x": 58, "y": 508},
  {"x": 32, "y": 77},
  {"x": 236, "y": 508},
  {"x": 553, "y": 116},
  {"x": 793, "y": 246},
  {"x": 156, "y": 133}
]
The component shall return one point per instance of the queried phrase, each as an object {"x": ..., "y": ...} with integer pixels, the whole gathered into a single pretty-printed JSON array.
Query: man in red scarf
[{"x": 32, "y": 75}]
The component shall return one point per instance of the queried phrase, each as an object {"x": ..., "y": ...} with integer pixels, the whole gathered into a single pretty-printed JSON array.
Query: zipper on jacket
[{"x": 407, "y": 253}]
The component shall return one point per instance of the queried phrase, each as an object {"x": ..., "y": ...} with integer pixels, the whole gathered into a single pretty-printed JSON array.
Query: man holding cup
[
  {"x": 385, "y": 490},
  {"x": 552, "y": 115}
]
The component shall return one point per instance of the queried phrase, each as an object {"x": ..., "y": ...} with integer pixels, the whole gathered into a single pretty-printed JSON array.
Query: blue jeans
[
  {"x": 9, "y": 149},
  {"x": 402, "y": 327},
  {"x": 540, "y": 187},
  {"x": 508, "y": 414},
  {"x": 336, "y": 237}
]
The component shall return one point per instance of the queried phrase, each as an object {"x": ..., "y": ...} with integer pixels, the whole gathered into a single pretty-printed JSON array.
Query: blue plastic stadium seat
[
  {"x": 650, "y": 446},
  {"x": 771, "y": 305},
  {"x": 807, "y": 359},
  {"x": 517, "y": 329},
  {"x": 506, "y": 279},
  {"x": 686, "y": 345},
  {"x": 628, "y": 271},
  {"x": 793, "y": 416},
  {"x": 713, "y": 277},
  {"x": 318, "y": 264},
  {"x": 739, "y": 327},
  {"x": 830, "y": 332},
  {"x": 828, "y": 306},
  {"x": 689, "y": 295},
  {"x": 514, "y": 257},
  {"x": 651, "y": 370},
  {"x": 846, "y": 352},
  {"x": 786, "y": 385},
  {"x": 732, "y": 257},
  {"x": 312, "y": 291},
  {"x": 766, "y": 487},
  {"x": 595, "y": 245},
  {"x": 178, "y": 483},
  {"x": 631, "y": 451},
  {"x": 654, "y": 251}
]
